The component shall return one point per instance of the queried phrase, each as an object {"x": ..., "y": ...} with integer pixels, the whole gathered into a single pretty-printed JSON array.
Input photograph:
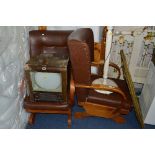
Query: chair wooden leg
[
  {"x": 69, "y": 119},
  {"x": 78, "y": 115},
  {"x": 119, "y": 119},
  {"x": 31, "y": 119}
]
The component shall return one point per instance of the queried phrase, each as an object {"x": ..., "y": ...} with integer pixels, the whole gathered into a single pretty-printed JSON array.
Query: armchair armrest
[
  {"x": 117, "y": 68},
  {"x": 99, "y": 63},
  {"x": 103, "y": 87}
]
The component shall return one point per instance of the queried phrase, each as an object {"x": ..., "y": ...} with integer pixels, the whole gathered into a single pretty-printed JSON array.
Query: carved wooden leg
[
  {"x": 69, "y": 119},
  {"x": 31, "y": 119}
]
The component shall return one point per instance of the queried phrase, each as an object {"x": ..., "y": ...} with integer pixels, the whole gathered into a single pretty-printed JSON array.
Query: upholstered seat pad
[
  {"x": 112, "y": 99},
  {"x": 44, "y": 105}
]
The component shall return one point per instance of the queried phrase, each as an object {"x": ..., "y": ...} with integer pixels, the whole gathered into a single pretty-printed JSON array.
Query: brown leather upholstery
[
  {"x": 85, "y": 35},
  {"x": 48, "y": 41},
  {"x": 80, "y": 44},
  {"x": 81, "y": 47}
]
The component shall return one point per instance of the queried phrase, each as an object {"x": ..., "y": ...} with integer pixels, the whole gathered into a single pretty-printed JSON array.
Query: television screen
[{"x": 46, "y": 82}]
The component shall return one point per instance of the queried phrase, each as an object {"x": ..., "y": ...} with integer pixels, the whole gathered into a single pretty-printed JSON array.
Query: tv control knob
[{"x": 43, "y": 68}]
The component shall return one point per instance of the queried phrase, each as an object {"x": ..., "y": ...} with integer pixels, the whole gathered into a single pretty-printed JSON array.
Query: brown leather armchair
[
  {"x": 111, "y": 106},
  {"x": 48, "y": 41}
]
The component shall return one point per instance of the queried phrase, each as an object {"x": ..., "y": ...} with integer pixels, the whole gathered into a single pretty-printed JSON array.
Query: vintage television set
[{"x": 47, "y": 76}]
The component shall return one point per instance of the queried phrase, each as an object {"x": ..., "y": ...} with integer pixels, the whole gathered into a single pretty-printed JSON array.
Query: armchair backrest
[
  {"x": 48, "y": 41},
  {"x": 81, "y": 51}
]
